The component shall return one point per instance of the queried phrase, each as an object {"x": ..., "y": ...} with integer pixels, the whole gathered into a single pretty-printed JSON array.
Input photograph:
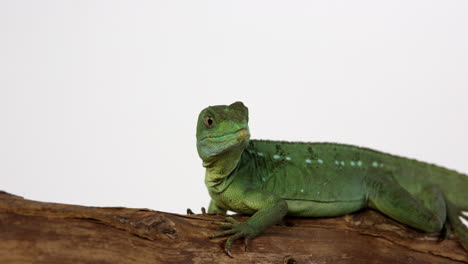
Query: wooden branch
[{"x": 36, "y": 232}]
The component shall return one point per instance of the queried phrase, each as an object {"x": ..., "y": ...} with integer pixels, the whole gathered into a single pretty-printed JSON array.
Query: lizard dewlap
[{"x": 270, "y": 179}]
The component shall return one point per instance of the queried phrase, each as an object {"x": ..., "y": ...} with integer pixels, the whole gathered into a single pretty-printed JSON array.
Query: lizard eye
[{"x": 209, "y": 121}]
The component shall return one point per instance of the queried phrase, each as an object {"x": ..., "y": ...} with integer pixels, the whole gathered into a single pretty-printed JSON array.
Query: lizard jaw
[
  {"x": 239, "y": 134},
  {"x": 210, "y": 147}
]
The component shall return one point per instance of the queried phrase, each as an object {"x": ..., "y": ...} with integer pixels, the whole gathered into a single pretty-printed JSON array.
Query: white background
[{"x": 99, "y": 99}]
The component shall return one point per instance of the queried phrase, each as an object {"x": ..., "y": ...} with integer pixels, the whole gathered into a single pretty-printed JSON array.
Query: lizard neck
[{"x": 218, "y": 170}]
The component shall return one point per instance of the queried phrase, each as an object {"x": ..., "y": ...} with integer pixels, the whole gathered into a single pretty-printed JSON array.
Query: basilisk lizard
[{"x": 271, "y": 179}]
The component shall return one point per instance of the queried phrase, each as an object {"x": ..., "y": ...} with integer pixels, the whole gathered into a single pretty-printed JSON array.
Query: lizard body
[{"x": 271, "y": 179}]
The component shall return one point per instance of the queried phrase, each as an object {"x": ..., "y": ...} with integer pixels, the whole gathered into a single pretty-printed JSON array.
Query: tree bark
[{"x": 36, "y": 232}]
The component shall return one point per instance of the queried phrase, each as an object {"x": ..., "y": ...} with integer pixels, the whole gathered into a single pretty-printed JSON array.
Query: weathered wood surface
[{"x": 36, "y": 232}]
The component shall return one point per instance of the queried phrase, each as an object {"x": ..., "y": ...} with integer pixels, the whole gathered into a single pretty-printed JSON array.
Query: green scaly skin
[{"x": 271, "y": 179}]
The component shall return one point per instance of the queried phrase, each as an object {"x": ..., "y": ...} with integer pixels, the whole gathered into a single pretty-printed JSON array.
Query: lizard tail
[{"x": 455, "y": 216}]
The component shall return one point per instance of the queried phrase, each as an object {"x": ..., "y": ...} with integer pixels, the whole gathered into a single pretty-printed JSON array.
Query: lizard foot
[{"x": 235, "y": 231}]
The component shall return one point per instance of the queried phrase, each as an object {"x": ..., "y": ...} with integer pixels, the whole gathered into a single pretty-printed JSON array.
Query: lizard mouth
[{"x": 238, "y": 134}]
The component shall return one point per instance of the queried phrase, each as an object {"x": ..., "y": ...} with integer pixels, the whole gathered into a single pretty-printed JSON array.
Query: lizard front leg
[
  {"x": 269, "y": 209},
  {"x": 213, "y": 208}
]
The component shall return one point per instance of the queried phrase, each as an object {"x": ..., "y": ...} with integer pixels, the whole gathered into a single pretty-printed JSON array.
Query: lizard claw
[
  {"x": 190, "y": 212},
  {"x": 445, "y": 232},
  {"x": 235, "y": 231},
  {"x": 246, "y": 243},
  {"x": 227, "y": 246},
  {"x": 228, "y": 252}
]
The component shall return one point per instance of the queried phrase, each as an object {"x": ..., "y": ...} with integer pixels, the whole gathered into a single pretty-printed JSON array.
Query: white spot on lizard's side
[
  {"x": 302, "y": 190},
  {"x": 263, "y": 179},
  {"x": 381, "y": 165},
  {"x": 308, "y": 161},
  {"x": 359, "y": 163},
  {"x": 260, "y": 154},
  {"x": 320, "y": 161},
  {"x": 342, "y": 163},
  {"x": 288, "y": 158},
  {"x": 352, "y": 163},
  {"x": 465, "y": 213},
  {"x": 337, "y": 162},
  {"x": 276, "y": 156},
  {"x": 375, "y": 164}
]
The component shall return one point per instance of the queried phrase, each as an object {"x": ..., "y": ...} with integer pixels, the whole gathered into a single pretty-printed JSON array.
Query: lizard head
[{"x": 221, "y": 130}]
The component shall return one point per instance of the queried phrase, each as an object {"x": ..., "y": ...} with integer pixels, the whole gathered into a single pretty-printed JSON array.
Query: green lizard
[{"x": 271, "y": 179}]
